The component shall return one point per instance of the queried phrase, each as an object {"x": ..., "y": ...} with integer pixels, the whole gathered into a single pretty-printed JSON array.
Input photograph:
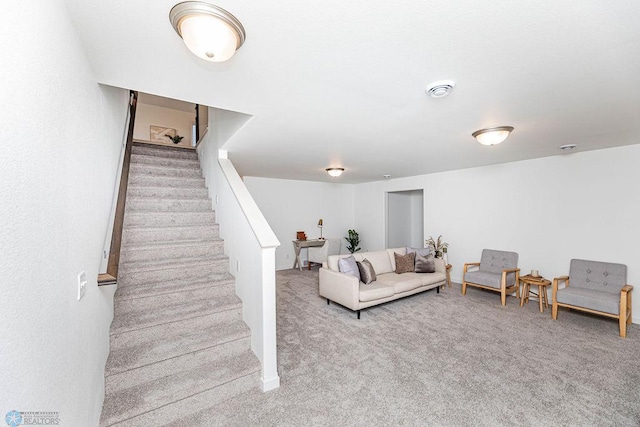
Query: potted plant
[
  {"x": 176, "y": 139},
  {"x": 438, "y": 247},
  {"x": 354, "y": 240}
]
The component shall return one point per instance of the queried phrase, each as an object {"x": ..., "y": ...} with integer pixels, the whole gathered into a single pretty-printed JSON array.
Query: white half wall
[
  {"x": 290, "y": 206},
  {"x": 549, "y": 210},
  {"x": 57, "y": 175}
]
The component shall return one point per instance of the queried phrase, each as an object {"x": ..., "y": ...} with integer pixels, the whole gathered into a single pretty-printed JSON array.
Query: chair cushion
[
  {"x": 484, "y": 278},
  {"x": 493, "y": 261},
  {"x": 425, "y": 264},
  {"x": 348, "y": 265},
  {"x": 375, "y": 291},
  {"x": 401, "y": 282},
  {"x": 367, "y": 272},
  {"x": 405, "y": 263},
  {"x": 587, "y": 298},
  {"x": 597, "y": 276}
]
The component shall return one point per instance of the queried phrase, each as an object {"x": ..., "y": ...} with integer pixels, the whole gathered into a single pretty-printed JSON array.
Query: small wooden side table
[
  {"x": 542, "y": 283},
  {"x": 449, "y": 274}
]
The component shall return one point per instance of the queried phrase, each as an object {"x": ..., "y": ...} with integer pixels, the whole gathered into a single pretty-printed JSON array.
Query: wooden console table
[{"x": 299, "y": 244}]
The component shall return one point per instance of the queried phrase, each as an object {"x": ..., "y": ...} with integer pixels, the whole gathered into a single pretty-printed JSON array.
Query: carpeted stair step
[
  {"x": 168, "y": 219},
  {"x": 160, "y": 251},
  {"x": 141, "y": 390},
  {"x": 167, "y": 192},
  {"x": 141, "y": 313},
  {"x": 167, "y": 205},
  {"x": 164, "y": 171},
  {"x": 165, "y": 181},
  {"x": 141, "y": 272},
  {"x": 163, "y": 287},
  {"x": 134, "y": 349},
  {"x": 165, "y": 161},
  {"x": 165, "y": 152},
  {"x": 200, "y": 405},
  {"x": 141, "y": 235}
]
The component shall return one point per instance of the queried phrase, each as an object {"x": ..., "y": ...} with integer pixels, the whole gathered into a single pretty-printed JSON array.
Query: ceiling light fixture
[
  {"x": 492, "y": 136},
  {"x": 441, "y": 88},
  {"x": 567, "y": 147},
  {"x": 208, "y": 31},
  {"x": 335, "y": 172}
]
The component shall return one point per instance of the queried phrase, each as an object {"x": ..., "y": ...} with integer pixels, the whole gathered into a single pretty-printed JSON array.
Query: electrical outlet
[{"x": 82, "y": 284}]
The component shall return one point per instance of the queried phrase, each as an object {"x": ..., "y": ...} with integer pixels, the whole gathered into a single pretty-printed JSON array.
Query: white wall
[
  {"x": 549, "y": 210},
  {"x": 290, "y": 206},
  {"x": 147, "y": 115},
  {"x": 57, "y": 175},
  {"x": 417, "y": 219},
  {"x": 405, "y": 219}
]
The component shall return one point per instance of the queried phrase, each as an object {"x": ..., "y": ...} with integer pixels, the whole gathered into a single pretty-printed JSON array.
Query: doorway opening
[{"x": 405, "y": 219}]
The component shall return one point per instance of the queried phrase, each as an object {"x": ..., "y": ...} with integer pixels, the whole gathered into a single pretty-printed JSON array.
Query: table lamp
[{"x": 320, "y": 225}]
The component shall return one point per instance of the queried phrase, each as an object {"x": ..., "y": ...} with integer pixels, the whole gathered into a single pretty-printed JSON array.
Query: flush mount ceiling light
[
  {"x": 208, "y": 31},
  {"x": 335, "y": 172},
  {"x": 441, "y": 88},
  {"x": 492, "y": 136},
  {"x": 567, "y": 147}
]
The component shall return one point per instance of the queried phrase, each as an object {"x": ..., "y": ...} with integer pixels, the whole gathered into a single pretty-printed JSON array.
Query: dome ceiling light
[
  {"x": 208, "y": 31},
  {"x": 441, "y": 88},
  {"x": 492, "y": 136},
  {"x": 335, "y": 172}
]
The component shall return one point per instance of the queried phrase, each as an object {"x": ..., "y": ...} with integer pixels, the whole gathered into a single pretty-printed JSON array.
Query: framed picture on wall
[{"x": 161, "y": 133}]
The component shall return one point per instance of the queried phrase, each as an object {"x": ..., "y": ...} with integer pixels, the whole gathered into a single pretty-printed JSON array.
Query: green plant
[
  {"x": 437, "y": 246},
  {"x": 353, "y": 240},
  {"x": 176, "y": 139}
]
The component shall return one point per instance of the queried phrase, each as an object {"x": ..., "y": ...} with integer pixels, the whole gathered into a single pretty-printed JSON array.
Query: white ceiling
[{"x": 341, "y": 83}]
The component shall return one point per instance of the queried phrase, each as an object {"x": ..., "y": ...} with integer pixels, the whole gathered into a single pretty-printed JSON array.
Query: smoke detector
[{"x": 441, "y": 88}]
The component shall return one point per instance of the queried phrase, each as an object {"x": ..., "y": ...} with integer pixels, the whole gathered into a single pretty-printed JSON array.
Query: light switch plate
[{"x": 82, "y": 284}]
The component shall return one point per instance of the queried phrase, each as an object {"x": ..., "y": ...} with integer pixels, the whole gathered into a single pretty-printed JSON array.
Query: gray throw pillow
[
  {"x": 348, "y": 265},
  {"x": 405, "y": 263},
  {"x": 419, "y": 251},
  {"x": 425, "y": 264},
  {"x": 367, "y": 273}
]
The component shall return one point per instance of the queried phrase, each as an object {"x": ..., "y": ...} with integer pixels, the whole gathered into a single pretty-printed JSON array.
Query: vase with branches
[
  {"x": 438, "y": 246},
  {"x": 354, "y": 240}
]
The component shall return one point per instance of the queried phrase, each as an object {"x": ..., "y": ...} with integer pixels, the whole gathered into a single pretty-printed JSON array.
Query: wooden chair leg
[
  {"x": 554, "y": 310},
  {"x": 623, "y": 316},
  {"x": 629, "y": 308},
  {"x": 464, "y": 288},
  {"x": 503, "y": 296}
]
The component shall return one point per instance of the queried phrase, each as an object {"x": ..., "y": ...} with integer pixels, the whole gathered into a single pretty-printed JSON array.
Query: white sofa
[{"x": 349, "y": 292}]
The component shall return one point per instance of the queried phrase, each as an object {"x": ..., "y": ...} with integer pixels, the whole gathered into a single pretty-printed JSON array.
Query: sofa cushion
[
  {"x": 425, "y": 264},
  {"x": 375, "y": 290},
  {"x": 420, "y": 251},
  {"x": 431, "y": 278},
  {"x": 595, "y": 300},
  {"x": 400, "y": 282},
  {"x": 598, "y": 276},
  {"x": 484, "y": 278},
  {"x": 493, "y": 261},
  {"x": 391, "y": 251},
  {"x": 348, "y": 265},
  {"x": 380, "y": 260},
  {"x": 405, "y": 263},
  {"x": 367, "y": 272}
]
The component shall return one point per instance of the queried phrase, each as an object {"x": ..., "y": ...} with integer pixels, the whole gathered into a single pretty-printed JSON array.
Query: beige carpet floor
[{"x": 439, "y": 359}]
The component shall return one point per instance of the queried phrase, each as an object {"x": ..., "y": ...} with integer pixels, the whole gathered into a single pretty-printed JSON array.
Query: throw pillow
[
  {"x": 348, "y": 265},
  {"x": 405, "y": 263},
  {"x": 419, "y": 251},
  {"x": 425, "y": 264},
  {"x": 367, "y": 273}
]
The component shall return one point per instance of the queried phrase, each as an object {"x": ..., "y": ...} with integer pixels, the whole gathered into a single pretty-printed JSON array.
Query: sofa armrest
[{"x": 340, "y": 287}]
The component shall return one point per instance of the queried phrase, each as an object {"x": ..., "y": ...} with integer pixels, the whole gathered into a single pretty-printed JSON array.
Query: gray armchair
[
  {"x": 497, "y": 271},
  {"x": 596, "y": 287}
]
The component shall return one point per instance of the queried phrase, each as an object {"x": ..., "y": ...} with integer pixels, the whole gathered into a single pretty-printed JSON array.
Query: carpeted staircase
[{"x": 178, "y": 343}]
